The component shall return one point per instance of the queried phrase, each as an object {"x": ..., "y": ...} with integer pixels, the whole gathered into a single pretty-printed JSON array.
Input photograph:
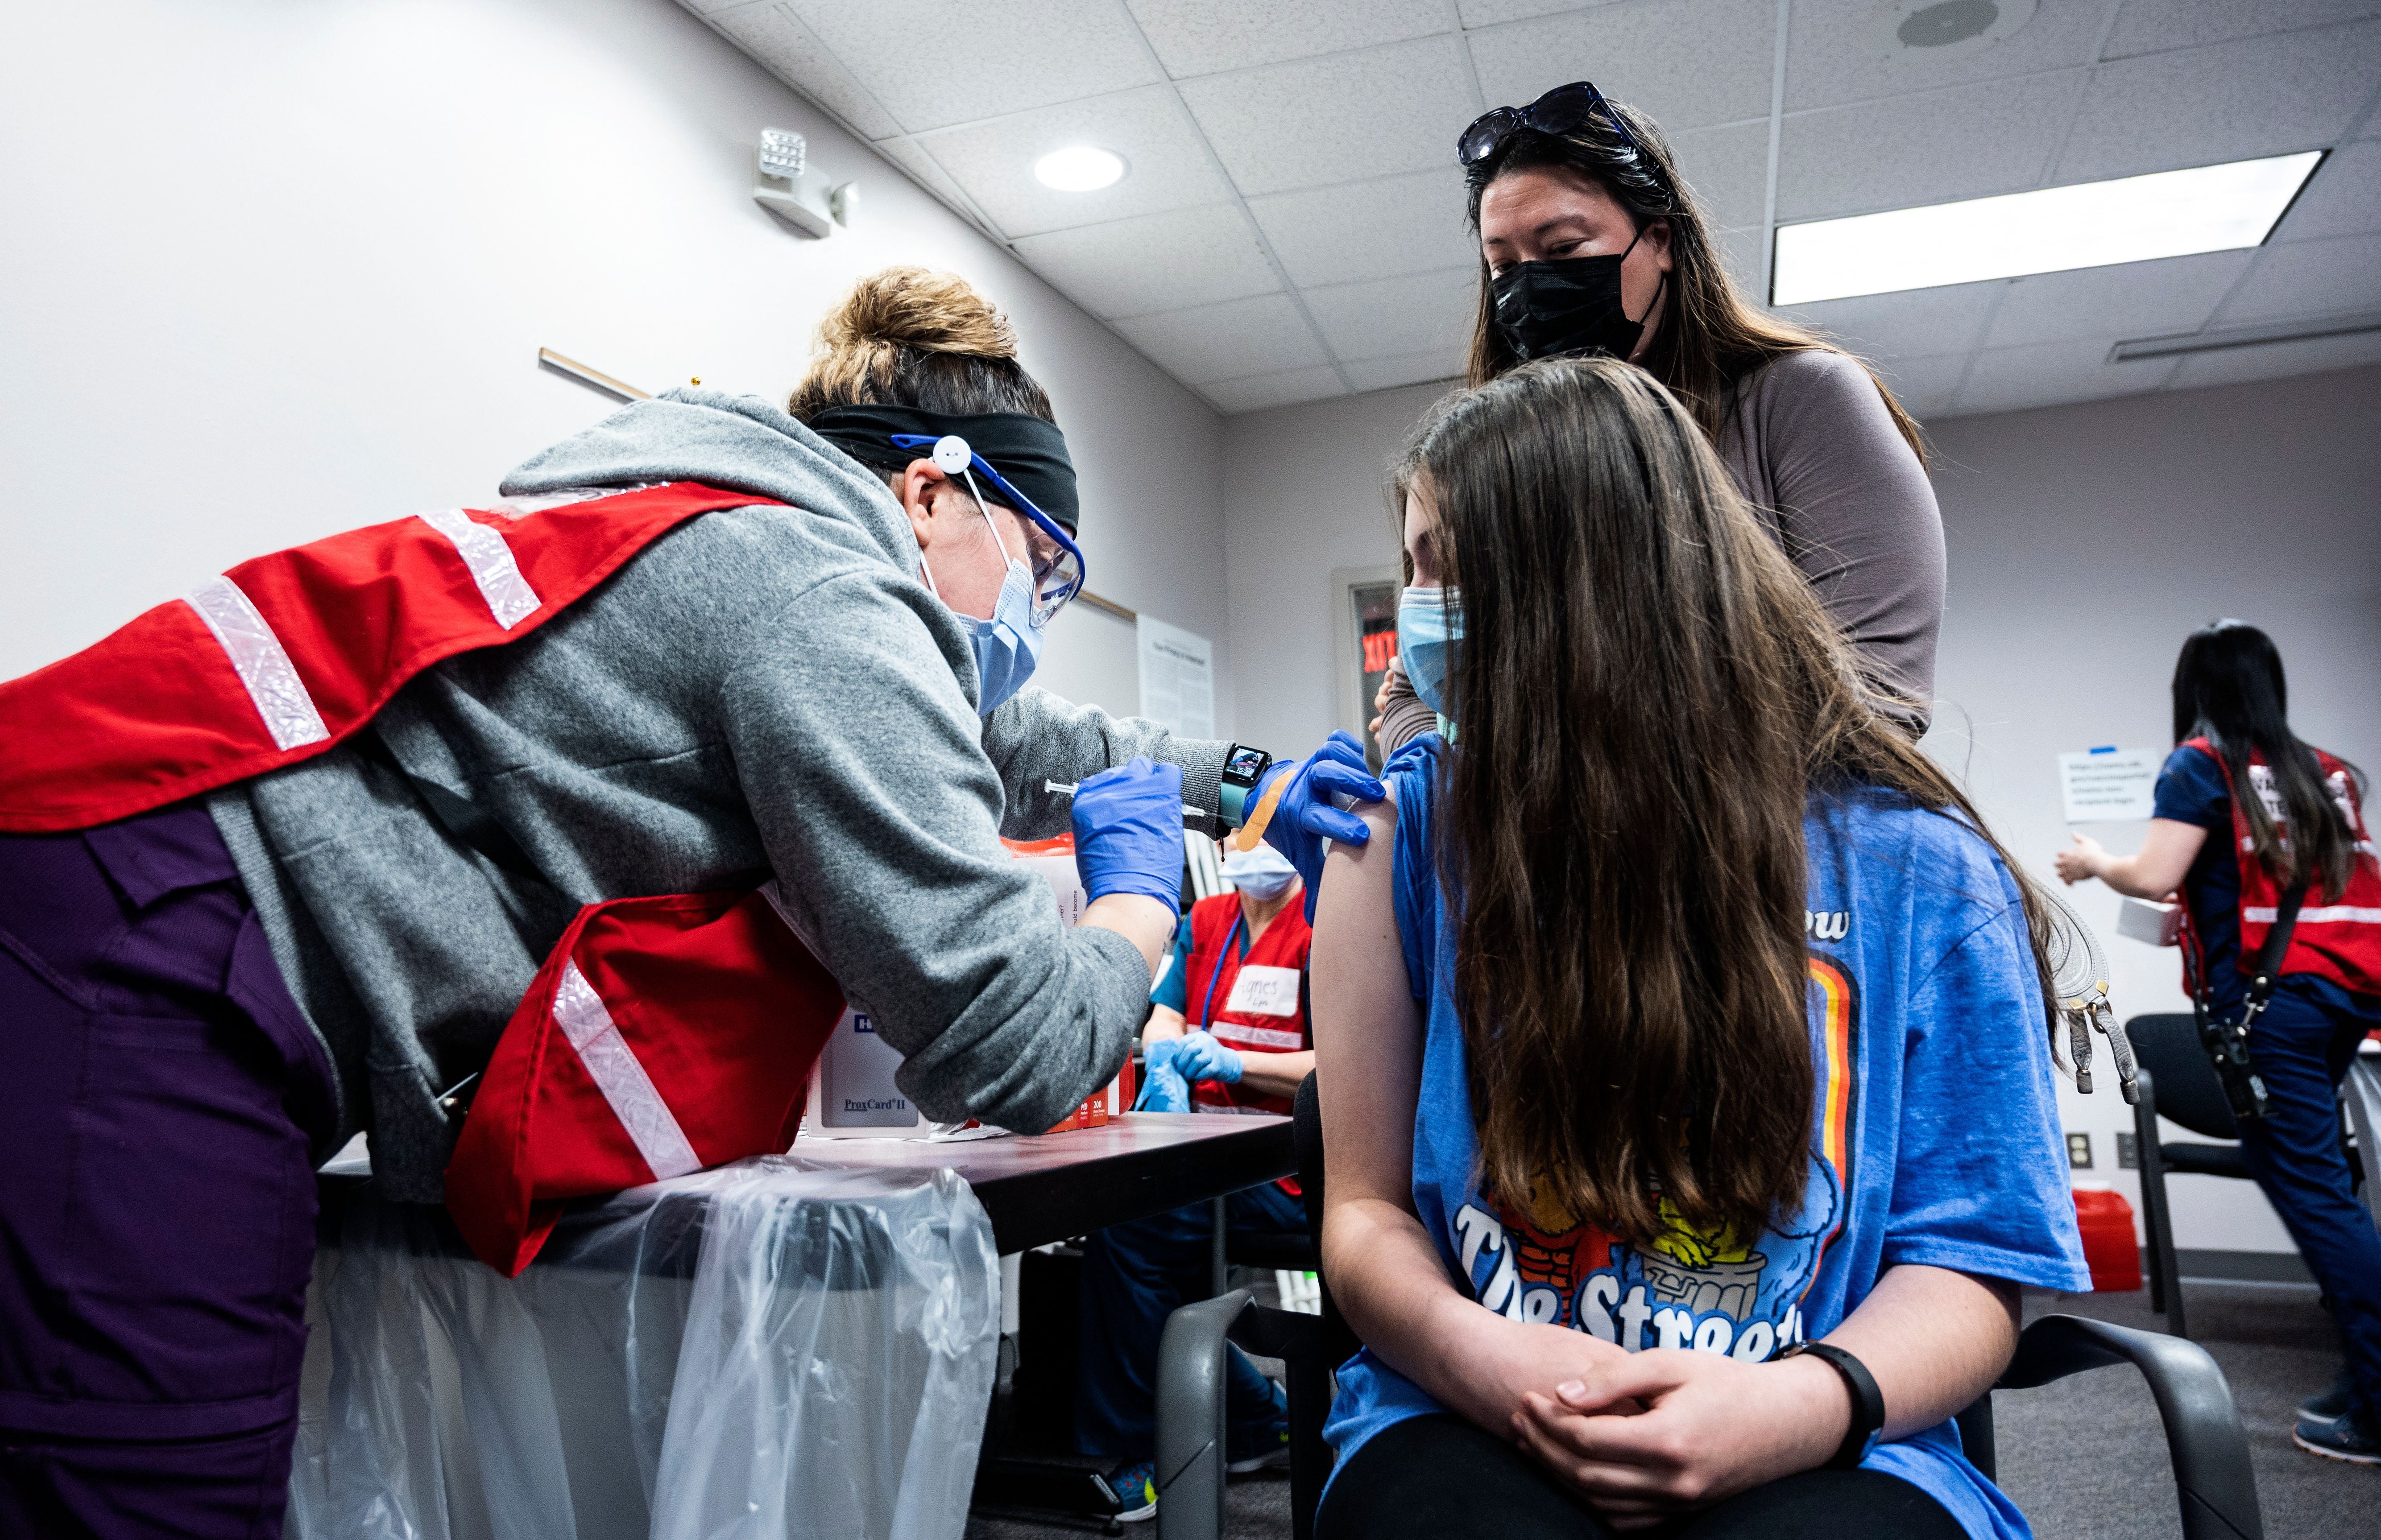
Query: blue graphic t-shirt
[{"x": 1934, "y": 1134}]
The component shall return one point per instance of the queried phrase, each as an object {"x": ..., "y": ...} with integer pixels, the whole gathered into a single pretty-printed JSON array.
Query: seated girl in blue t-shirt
[{"x": 1720, "y": 1031}]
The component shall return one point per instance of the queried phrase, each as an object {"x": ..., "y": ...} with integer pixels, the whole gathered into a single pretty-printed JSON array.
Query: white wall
[
  {"x": 275, "y": 270},
  {"x": 2084, "y": 542}
]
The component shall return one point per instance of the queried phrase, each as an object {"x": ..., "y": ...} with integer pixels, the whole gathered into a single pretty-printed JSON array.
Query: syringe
[{"x": 1059, "y": 788}]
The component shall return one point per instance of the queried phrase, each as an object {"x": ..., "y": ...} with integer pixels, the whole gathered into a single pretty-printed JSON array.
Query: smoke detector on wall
[{"x": 1911, "y": 30}]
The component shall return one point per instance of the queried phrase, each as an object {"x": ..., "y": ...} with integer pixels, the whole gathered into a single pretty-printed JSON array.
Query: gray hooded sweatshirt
[{"x": 763, "y": 691}]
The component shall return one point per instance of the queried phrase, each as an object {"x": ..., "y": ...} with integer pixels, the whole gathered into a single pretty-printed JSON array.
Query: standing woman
[
  {"x": 2303, "y": 830},
  {"x": 1591, "y": 241}
]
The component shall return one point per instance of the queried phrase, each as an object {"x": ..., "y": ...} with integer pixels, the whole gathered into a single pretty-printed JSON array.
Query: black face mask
[{"x": 1544, "y": 309}]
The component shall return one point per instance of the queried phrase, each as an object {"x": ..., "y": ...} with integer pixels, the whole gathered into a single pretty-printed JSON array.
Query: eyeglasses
[
  {"x": 1559, "y": 111},
  {"x": 1057, "y": 565}
]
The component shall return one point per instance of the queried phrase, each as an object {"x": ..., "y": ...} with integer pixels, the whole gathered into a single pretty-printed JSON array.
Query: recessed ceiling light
[
  {"x": 1079, "y": 168},
  {"x": 2132, "y": 219}
]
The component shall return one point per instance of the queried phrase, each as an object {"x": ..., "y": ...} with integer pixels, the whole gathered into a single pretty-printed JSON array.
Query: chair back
[
  {"x": 2188, "y": 1091},
  {"x": 1306, "y": 1120}
]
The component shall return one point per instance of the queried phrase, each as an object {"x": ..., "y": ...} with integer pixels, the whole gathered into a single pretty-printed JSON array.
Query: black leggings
[{"x": 1440, "y": 1478}]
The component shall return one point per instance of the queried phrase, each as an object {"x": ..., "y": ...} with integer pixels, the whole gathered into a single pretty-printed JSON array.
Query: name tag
[{"x": 1261, "y": 991}]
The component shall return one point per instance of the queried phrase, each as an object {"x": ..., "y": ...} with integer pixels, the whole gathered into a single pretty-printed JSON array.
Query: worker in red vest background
[
  {"x": 724, "y": 702},
  {"x": 1227, "y": 1033}
]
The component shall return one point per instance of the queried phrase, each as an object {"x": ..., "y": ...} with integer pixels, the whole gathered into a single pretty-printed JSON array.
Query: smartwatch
[
  {"x": 1868, "y": 1402},
  {"x": 1243, "y": 767}
]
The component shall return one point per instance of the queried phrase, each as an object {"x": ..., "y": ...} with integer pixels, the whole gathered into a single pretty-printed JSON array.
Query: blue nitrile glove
[
  {"x": 1163, "y": 1089},
  {"x": 1306, "y": 817},
  {"x": 1202, "y": 1058},
  {"x": 1129, "y": 831}
]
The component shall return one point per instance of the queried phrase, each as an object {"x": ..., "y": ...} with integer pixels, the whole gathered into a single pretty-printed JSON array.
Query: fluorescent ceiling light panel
[
  {"x": 2132, "y": 219},
  {"x": 1079, "y": 168}
]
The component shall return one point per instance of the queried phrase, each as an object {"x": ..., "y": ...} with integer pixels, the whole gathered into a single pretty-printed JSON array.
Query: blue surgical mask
[
  {"x": 1429, "y": 629},
  {"x": 1009, "y": 646}
]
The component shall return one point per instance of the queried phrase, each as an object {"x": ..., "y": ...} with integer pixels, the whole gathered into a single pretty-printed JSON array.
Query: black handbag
[{"x": 2227, "y": 1042}]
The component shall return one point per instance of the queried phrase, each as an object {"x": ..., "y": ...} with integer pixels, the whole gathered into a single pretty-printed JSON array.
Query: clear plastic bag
[{"x": 769, "y": 1349}]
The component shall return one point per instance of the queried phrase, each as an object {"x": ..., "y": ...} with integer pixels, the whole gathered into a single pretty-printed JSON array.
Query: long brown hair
[
  {"x": 1710, "y": 336},
  {"x": 1648, "y": 694}
]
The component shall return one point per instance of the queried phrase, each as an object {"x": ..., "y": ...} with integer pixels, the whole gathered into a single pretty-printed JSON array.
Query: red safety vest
[
  {"x": 283, "y": 657},
  {"x": 1252, "y": 1003},
  {"x": 2337, "y": 938},
  {"x": 663, "y": 1034}
]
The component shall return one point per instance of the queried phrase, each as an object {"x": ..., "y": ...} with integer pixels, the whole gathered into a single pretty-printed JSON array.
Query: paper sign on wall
[
  {"x": 1177, "y": 678},
  {"x": 2101, "y": 784}
]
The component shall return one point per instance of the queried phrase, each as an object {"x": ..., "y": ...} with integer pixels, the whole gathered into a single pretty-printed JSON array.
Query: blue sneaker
[
  {"x": 1259, "y": 1443},
  {"x": 1136, "y": 1487},
  {"x": 2344, "y": 1437},
  {"x": 2333, "y": 1403}
]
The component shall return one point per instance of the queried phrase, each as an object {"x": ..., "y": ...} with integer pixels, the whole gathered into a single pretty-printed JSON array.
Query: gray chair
[{"x": 2214, "y": 1485}]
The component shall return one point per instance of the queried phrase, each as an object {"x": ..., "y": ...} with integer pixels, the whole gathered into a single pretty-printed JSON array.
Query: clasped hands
[{"x": 1646, "y": 1436}]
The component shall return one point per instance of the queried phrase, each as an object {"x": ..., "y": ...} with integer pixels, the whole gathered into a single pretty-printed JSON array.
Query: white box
[{"x": 2158, "y": 923}]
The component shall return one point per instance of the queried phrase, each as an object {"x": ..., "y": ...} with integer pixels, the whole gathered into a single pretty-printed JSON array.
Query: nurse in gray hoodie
[{"x": 199, "y": 1004}]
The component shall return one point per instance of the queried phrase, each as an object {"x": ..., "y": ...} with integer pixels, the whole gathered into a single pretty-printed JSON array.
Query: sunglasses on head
[{"x": 1563, "y": 110}]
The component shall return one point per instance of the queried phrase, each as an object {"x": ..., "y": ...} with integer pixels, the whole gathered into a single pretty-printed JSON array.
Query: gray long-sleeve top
[
  {"x": 1809, "y": 442},
  {"x": 761, "y": 691}
]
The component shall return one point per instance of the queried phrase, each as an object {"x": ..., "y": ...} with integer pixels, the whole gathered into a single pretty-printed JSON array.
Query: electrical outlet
[
  {"x": 2079, "y": 1151},
  {"x": 2129, "y": 1152}
]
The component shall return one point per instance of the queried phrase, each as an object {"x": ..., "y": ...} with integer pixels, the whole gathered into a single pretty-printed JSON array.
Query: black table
[{"x": 1057, "y": 1185}]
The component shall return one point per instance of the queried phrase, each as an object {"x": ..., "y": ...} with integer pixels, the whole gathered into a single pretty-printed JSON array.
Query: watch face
[{"x": 1244, "y": 764}]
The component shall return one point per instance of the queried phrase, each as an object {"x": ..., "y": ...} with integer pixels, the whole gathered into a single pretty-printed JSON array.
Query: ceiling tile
[
  {"x": 709, "y": 7},
  {"x": 2309, "y": 278},
  {"x": 1410, "y": 368},
  {"x": 2272, "y": 361},
  {"x": 1490, "y": 13},
  {"x": 906, "y": 154},
  {"x": 1728, "y": 169},
  {"x": 1740, "y": 251},
  {"x": 1262, "y": 335},
  {"x": 1688, "y": 63},
  {"x": 1369, "y": 229},
  {"x": 1420, "y": 313},
  {"x": 1165, "y": 166},
  {"x": 1201, "y": 37},
  {"x": 2132, "y": 299},
  {"x": 1966, "y": 142},
  {"x": 788, "y": 49},
  {"x": 1164, "y": 261},
  {"x": 2226, "y": 102},
  {"x": 932, "y": 63},
  {"x": 2049, "y": 374},
  {"x": 2344, "y": 198},
  {"x": 1317, "y": 121},
  {"x": 1924, "y": 386},
  {"x": 1263, "y": 391},
  {"x": 2156, "y": 26},
  {"x": 1916, "y": 324},
  {"x": 1848, "y": 53}
]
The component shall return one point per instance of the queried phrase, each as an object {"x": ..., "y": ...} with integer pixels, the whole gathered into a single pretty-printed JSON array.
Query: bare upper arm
[
  {"x": 1368, "y": 1028},
  {"x": 2165, "y": 856}
]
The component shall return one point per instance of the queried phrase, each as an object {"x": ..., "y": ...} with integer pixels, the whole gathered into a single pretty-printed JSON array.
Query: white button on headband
[{"x": 952, "y": 454}]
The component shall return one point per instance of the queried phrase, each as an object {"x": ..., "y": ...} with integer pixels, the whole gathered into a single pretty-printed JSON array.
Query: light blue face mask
[
  {"x": 1008, "y": 647},
  {"x": 1429, "y": 631}
]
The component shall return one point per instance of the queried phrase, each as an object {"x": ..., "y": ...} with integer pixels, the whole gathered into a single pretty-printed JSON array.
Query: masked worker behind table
[
  {"x": 722, "y": 712},
  {"x": 1227, "y": 1034}
]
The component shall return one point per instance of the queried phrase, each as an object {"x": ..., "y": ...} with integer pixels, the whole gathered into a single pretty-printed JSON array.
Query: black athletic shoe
[
  {"x": 2333, "y": 1402},
  {"x": 2345, "y": 1437}
]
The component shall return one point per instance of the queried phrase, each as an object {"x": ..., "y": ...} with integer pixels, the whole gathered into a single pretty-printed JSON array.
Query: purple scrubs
[{"x": 166, "y": 1106}]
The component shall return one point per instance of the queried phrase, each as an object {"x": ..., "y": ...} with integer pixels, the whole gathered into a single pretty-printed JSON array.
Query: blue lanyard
[{"x": 1216, "y": 973}]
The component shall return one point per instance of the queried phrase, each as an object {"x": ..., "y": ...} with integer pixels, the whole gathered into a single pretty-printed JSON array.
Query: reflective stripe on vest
[
  {"x": 620, "y": 1075},
  {"x": 262, "y": 662},
  {"x": 510, "y": 598}
]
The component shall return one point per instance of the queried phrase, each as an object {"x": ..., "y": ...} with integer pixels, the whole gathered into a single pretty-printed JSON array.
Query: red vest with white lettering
[
  {"x": 663, "y": 1034},
  {"x": 2339, "y": 936},
  {"x": 1253, "y": 1004}
]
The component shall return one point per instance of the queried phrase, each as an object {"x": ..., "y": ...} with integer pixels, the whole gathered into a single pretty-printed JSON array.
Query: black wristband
[{"x": 1868, "y": 1402}]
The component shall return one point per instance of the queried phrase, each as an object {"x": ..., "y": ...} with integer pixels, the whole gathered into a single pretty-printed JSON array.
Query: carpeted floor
[{"x": 2084, "y": 1458}]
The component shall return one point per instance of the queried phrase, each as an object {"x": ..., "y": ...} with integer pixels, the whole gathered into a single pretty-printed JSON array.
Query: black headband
[{"x": 1030, "y": 453}]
